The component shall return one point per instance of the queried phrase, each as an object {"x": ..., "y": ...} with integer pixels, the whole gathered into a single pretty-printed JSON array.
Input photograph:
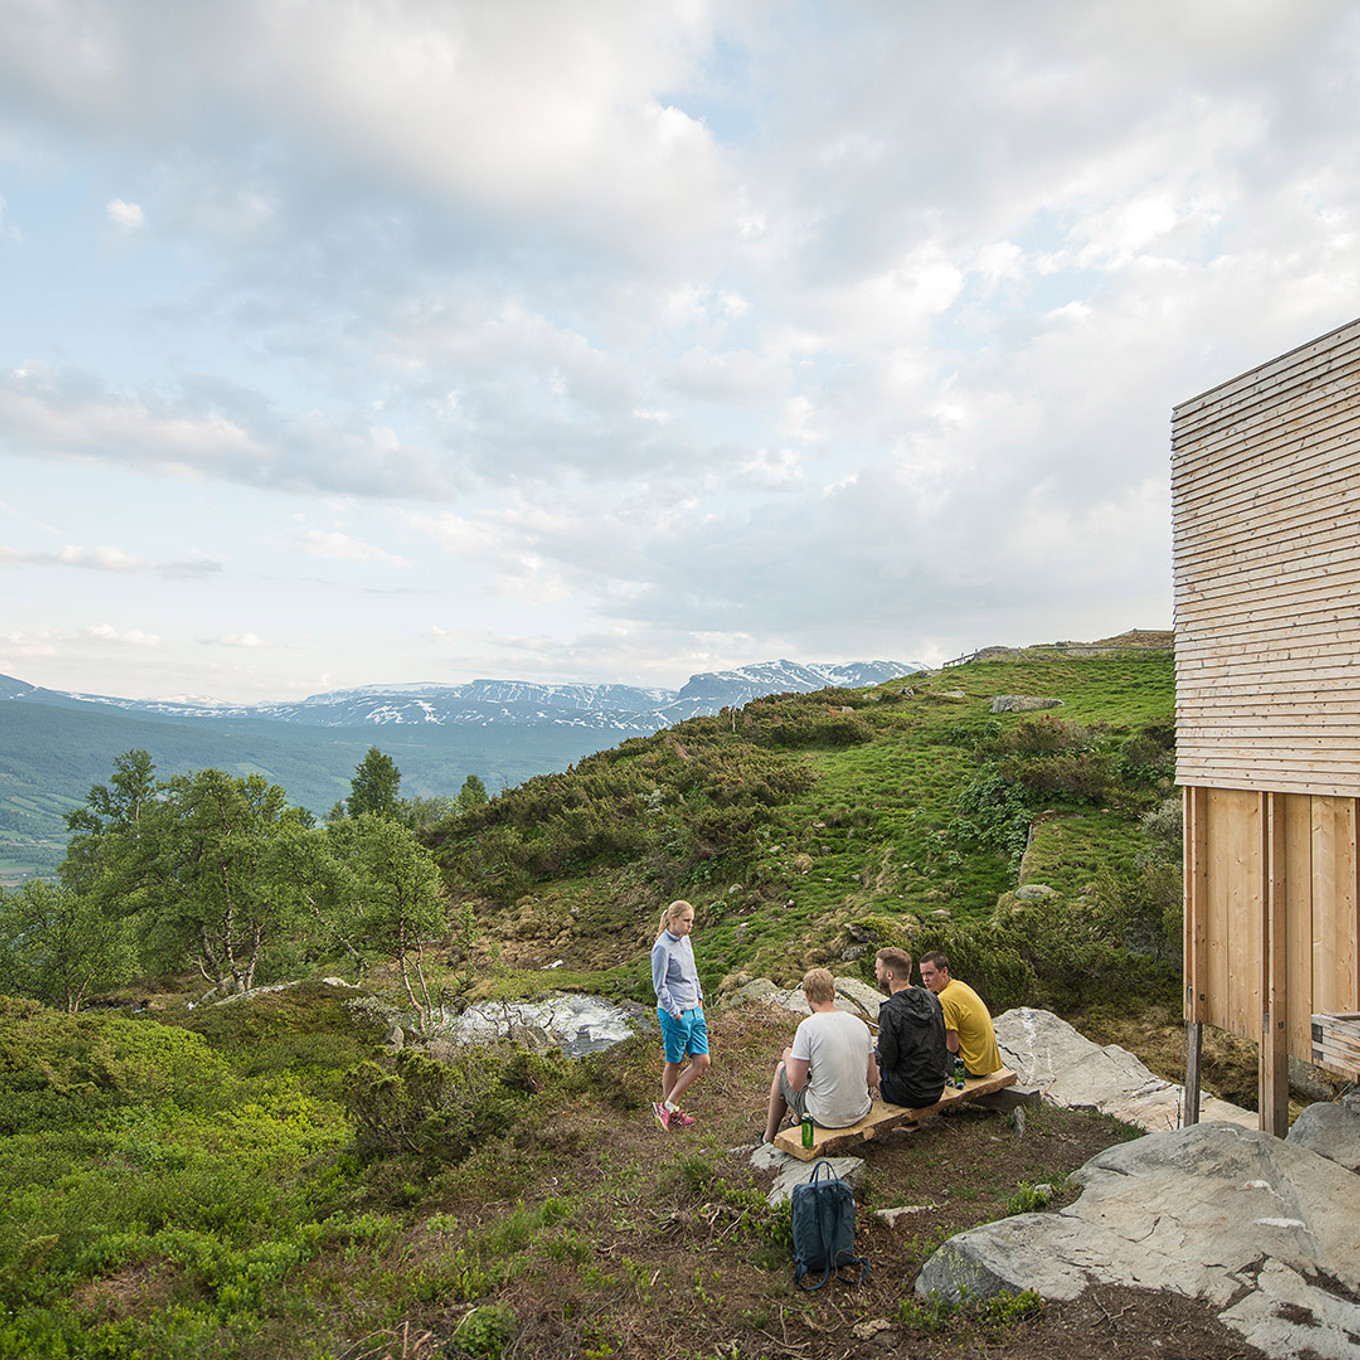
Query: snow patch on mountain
[{"x": 629, "y": 709}]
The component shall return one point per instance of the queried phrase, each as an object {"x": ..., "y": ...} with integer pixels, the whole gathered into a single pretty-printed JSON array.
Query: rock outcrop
[
  {"x": 1266, "y": 1231},
  {"x": 573, "y": 1021},
  {"x": 1066, "y": 1068}
]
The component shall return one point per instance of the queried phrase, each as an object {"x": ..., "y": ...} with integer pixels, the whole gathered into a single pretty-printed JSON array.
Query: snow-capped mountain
[{"x": 625, "y": 709}]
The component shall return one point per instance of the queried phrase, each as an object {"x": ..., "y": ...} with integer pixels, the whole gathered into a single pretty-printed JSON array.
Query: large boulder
[
  {"x": 1065, "y": 1068},
  {"x": 1267, "y": 1232},
  {"x": 1331, "y": 1131},
  {"x": 1022, "y": 703}
]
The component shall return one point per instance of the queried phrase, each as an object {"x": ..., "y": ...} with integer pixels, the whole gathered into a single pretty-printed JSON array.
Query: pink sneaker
[
  {"x": 681, "y": 1120},
  {"x": 663, "y": 1115}
]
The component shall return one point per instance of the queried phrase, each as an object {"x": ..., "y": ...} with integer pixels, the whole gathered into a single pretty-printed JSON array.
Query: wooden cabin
[{"x": 1266, "y": 514}]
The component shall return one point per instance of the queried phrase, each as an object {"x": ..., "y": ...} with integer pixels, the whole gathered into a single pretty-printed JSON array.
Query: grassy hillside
[
  {"x": 264, "y": 1179},
  {"x": 805, "y": 824}
]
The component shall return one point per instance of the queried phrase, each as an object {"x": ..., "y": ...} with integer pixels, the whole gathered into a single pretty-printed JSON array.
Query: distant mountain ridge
[
  {"x": 55, "y": 744},
  {"x": 478, "y": 703}
]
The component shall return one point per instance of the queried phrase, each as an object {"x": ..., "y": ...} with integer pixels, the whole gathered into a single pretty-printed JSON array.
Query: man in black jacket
[{"x": 913, "y": 1057}]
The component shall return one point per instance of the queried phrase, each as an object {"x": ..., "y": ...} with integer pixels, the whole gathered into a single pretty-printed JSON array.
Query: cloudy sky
[{"x": 392, "y": 340}]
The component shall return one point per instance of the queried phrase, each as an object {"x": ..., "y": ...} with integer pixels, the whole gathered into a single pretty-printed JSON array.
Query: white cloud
[
  {"x": 107, "y": 559},
  {"x": 9, "y": 231},
  {"x": 339, "y": 547},
  {"x": 124, "y": 216},
  {"x": 20, "y": 646},
  {"x": 250, "y": 641},
  {"x": 128, "y": 637}
]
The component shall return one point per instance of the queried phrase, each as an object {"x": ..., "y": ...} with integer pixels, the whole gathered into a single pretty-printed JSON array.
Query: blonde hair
[
  {"x": 676, "y": 908},
  {"x": 819, "y": 986}
]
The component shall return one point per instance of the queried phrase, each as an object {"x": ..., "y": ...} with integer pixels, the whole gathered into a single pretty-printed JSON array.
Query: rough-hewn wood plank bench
[{"x": 882, "y": 1117}]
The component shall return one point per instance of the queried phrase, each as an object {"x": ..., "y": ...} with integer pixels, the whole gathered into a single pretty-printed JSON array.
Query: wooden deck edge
[{"x": 882, "y": 1118}]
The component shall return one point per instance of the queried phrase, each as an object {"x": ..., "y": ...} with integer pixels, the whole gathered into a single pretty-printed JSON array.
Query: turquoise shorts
[{"x": 687, "y": 1035}]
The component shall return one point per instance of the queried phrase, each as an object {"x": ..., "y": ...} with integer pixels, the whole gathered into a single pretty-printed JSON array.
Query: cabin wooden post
[
  {"x": 1273, "y": 1094},
  {"x": 1194, "y": 802}
]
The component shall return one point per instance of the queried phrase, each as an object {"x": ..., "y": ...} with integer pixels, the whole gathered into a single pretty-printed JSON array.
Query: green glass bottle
[{"x": 807, "y": 1130}]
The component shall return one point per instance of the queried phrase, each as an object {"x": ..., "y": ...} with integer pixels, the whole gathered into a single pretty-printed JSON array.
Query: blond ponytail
[{"x": 675, "y": 909}]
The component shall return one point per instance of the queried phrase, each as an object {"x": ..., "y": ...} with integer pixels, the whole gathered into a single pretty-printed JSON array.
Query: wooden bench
[{"x": 882, "y": 1117}]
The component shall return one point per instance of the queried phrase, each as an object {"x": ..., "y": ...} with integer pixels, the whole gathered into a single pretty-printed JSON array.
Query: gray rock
[
  {"x": 395, "y": 1037},
  {"x": 859, "y": 998},
  {"x": 1332, "y": 1131},
  {"x": 1309, "y": 1081},
  {"x": 758, "y": 991},
  {"x": 892, "y": 1217},
  {"x": 851, "y": 952},
  {"x": 1021, "y": 703},
  {"x": 1067, "y": 1069},
  {"x": 1265, "y": 1231},
  {"x": 863, "y": 934},
  {"x": 533, "y": 1038},
  {"x": 793, "y": 1172},
  {"x": 852, "y": 995},
  {"x": 573, "y": 1021},
  {"x": 1034, "y": 892}
]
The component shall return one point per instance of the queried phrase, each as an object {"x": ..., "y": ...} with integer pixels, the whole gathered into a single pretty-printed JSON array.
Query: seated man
[
  {"x": 913, "y": 1055},
  {"x": 968, "y": 1022},
  {"x": 830, "y": 1069}
]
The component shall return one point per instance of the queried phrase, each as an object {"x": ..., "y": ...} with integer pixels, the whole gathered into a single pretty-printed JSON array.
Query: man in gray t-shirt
[{"x": 829, "y": 1070}]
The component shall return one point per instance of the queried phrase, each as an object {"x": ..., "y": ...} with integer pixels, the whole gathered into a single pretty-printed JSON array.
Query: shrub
[
  {"x": 485, "y": 1332},
  {"x": 443, "y": 1109}
]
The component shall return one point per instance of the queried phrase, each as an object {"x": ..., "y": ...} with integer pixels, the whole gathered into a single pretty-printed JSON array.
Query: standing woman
[{"x": 680, "y": 1011}]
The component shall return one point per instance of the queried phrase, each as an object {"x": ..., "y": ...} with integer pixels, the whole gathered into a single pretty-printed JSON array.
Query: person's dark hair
[
  {"x": 941, "y": 961},
  {"x": 896, "y": 959}
]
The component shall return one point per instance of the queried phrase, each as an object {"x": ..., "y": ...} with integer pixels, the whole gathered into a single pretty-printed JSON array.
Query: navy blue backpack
[{"x": 824, "y": 1227}]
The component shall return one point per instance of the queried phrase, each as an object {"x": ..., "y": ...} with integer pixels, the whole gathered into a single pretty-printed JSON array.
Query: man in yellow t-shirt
[{"x": 968, "y": 1022}]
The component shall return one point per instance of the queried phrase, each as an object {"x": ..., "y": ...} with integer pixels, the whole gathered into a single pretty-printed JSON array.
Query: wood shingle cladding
[{"x": 1266, "y": 505}]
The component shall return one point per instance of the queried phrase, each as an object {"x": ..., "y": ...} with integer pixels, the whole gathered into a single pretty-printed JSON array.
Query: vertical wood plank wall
[
  {"x": 1266, "y": 513},
  {"x": 1304, "y": 877}
]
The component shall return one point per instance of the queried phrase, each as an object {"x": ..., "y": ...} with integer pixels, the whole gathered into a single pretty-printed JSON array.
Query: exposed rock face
[
  {"x": 1021, "y": 703},
  {"x": 1267, "y": 1232},
  {"x": 1067, "y": 1069},
  {"x": 575, "y": 1022},
  {"x": 1332, "y": 1131}
]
